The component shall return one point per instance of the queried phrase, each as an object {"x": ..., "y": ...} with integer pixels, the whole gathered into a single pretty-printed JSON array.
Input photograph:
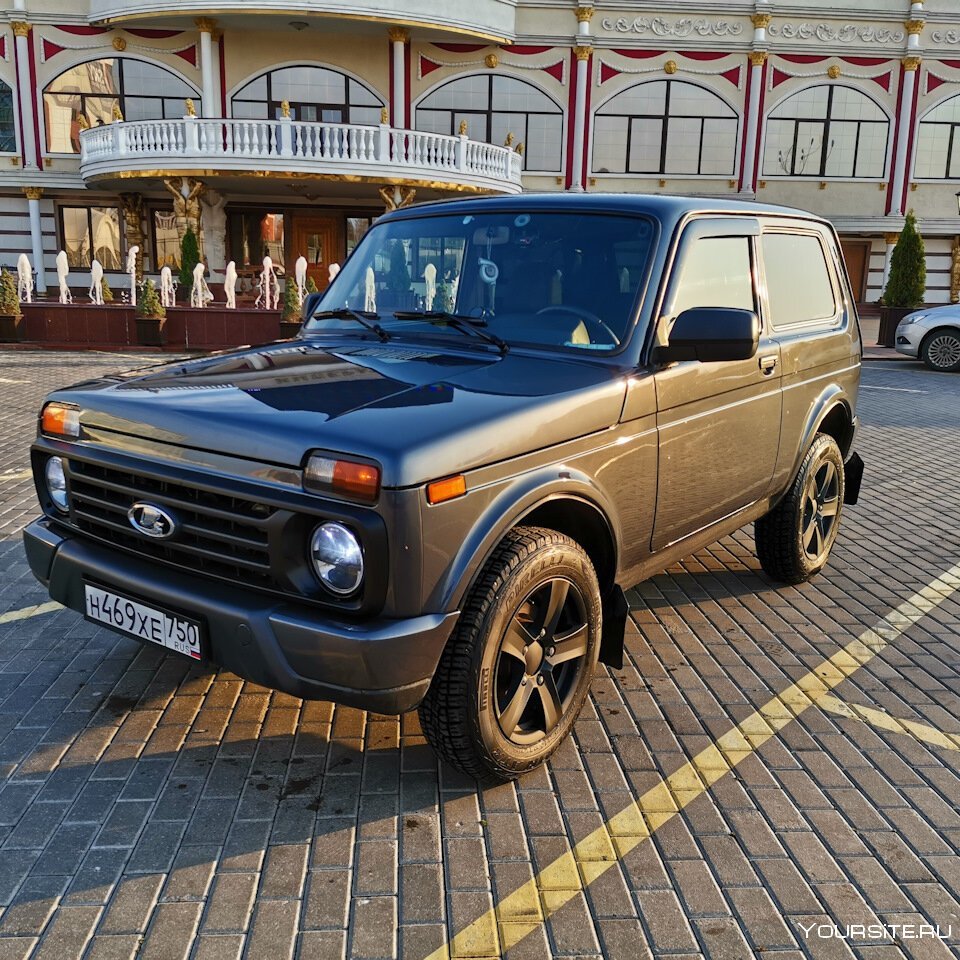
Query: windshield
[{"x": 553, "y": 279}]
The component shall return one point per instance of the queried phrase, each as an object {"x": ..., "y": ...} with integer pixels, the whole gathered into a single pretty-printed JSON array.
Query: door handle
[{"x": 768, "y": 364}]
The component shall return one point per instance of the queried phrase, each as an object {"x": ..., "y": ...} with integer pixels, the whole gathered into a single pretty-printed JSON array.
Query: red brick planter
[
  {"x": 110, "y": 325},
  {"x": 216, "y": 327}
]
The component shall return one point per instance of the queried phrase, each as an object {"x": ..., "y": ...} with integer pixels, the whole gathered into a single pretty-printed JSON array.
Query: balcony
[{"x": 244, "y": 151}]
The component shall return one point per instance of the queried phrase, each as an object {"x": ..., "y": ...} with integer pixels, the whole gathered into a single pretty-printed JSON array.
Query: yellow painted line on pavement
[
  {"x": 522, "y": 911},
  {"x": 25, "y": 613},
  {"x": 884, "y": 721}
]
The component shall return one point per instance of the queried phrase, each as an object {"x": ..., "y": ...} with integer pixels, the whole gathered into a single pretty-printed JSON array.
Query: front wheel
[
  {"x": 794, "y": 539},
  {"x": 513, "y": 677},
  {"x": 941, "y": 350}
]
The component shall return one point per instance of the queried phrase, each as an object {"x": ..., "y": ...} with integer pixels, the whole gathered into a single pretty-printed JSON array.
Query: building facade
[{"x": 285, "y": 129}]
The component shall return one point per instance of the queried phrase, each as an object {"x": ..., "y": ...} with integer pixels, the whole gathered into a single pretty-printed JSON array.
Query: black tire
[
  {"x": 795, "y": 537},
  {"x": 940, "y": 350},
  {"x": 506, "y": 660}
]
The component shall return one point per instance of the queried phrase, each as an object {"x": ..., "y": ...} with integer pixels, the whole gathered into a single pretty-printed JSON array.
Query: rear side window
[
  {"x": 799, "y": 287},
  {"x": 715, "y": 273}
]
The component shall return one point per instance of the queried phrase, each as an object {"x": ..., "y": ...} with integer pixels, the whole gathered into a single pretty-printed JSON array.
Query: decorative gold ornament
[
  {"x": 519, "y": 148},
  {"x": 583, "y": 52},
  {"x": 33, "y": 193},
  {"x": 914, "y": 27},
  {"x": 670, "y": 67},
  {"x": 491, "y": 60},
  {"x": 731, "y": 182},
  {"x": 119, "y": 43},
  {"x": 585, "y": 14},
  {"x": 82, "y": 122},
  {"x": 15, "y": 162},
  {"x": 384, "y": 115},
  {"x": 910, "y": 63},
  {"x": 881, "y": 186},
  {"x": 833, "y": 71},
  {"x": 395, "y": 197},
  {"x": 509, "y": 140},
  {"x": 762, "y": 184},
  {"x": 285, "y": 108},
  {"x": 758, "y": 58},
  {"x": 890, "y": 239},
  {"x": 823, "y": 184},
  {"x": 760, "y": 21},
  {"x": 190, "y": 107},
  {"x": 21, "y": 28},
  {"x": 662, "y": 182},
  {"x": 462, "y": 130},
  {"x": 117, "y": 113},
  {"x": 398, "y": 35},
  {"x": 206, "y": 24}
]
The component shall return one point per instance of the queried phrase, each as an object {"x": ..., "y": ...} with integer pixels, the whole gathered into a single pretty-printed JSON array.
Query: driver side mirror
[
  {"x": 710, "y": 334},
  {"x": 310, "y": 302}
]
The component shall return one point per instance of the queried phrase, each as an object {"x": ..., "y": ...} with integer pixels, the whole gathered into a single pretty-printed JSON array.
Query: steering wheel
[{"x": 586, "y": 316}]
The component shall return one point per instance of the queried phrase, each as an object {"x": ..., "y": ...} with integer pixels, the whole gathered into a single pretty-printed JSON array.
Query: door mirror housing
[
  {"x": 710, "y": 334},
  {"x": 310, "y": 302}
]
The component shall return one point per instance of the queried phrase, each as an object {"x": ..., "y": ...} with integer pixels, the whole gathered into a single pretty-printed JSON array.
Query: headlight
[
  {"x": 337, "y": 558},
  {"x": 56, "y": 483},
  {"x": 914, "y": 318}
]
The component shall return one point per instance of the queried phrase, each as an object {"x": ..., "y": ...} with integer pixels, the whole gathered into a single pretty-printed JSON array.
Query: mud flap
[
  {"x": 615, "y": 610},
  {"x": 853, "y": 475}
]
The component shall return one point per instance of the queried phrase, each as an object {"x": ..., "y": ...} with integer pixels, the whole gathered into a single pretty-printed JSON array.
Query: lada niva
[{"x": 499, "y": 416}]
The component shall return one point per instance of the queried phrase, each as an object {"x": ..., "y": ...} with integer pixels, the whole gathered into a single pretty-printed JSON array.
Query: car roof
[{"x": 667, "y": 208}]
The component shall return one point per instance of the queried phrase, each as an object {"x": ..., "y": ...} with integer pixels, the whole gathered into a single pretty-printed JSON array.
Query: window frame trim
[{"x": 88, "y": 208}]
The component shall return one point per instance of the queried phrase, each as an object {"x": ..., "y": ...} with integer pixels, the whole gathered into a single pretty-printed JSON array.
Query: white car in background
[{"x": 933, "y": 335}]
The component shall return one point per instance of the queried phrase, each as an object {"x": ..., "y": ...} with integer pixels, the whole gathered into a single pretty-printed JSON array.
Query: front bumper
[
  {"x": 908, "y": 339},
  {"x": 381, "y": 665}
]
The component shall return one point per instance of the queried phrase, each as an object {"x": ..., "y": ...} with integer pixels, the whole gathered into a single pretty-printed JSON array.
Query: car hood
[{"x": 421, "y": 411}]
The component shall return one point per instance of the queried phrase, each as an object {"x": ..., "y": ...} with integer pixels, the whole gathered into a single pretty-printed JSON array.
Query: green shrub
[
  {"x": 908, "y": 269},
  {"x": 106, "y": 291},
  {"x": 189, "y": 258},
  {"x": 311, "y": 286},
  {"x": 9, "y": 301},
  {"x": 148, "y": 303},
  {"x": 291, "y": 302}
]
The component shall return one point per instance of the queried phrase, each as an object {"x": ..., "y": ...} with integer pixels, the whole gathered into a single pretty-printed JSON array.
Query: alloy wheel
[
  {"x": 541, "y": 657},
  {"x": 943, "y": 351},
  {"x": 821, "y": 504}
]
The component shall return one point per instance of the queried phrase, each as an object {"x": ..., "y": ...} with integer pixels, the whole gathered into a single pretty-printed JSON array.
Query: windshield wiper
[
  {"x": 469, "y": 326},
  {"x": 363, "y": 317}
]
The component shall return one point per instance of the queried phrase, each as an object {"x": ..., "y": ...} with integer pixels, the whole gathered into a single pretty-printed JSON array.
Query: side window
[
  {"x": 799, "y": 288},
  {"x": 715, "y": 273}
]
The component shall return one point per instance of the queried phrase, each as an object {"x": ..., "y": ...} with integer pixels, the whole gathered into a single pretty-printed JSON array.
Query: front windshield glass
[{"x": 561, "y": 280}]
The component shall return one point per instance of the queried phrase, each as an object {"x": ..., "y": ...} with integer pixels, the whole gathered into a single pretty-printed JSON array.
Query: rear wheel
[
  {"x": 940, "y": 350},
  {"x": 794, "y": 539},
  {"x": 514, "y": 676}
]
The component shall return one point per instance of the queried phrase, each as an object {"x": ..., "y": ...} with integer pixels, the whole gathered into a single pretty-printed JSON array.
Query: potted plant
[
  {"x": 151, "y": 317},
  {"x": 907, "y": 281},
  {"x": 11, "y": 316},
  {"x": 189, "y": 258},
  {"x": 290, "y": 321}
]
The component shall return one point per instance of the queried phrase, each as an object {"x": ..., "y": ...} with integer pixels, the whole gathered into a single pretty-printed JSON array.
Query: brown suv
[{"x": 500, "y": 414}]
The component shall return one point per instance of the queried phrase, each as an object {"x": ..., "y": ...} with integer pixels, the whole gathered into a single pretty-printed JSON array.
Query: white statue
[
  {"x": 269, "y": 287},
  {"x": 230, "y": 285},
  {"x": 63, "y": 271},
  {"x": 214, "y": 228},
  {"x": 332, "y": 272},
  {"x": 300, "y": 276},
  {"x": 168, "y": 295},
  {"x": 370, "y": 289},
  {"x": 429, "y": 285},
  {"x": 132, "y": 272},
  {"x": 96, "y": 283},
  {"x": 24, "y": 279},
  {"x": 200, "y": 294}
]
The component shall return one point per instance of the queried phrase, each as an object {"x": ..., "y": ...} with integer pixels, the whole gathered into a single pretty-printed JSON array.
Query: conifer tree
[
  {"x": 148, "y": 303},
  {"x": 189, "y": 258},
  {"x": 9, "y": 301},
  {"x": 908, "y": 269}
]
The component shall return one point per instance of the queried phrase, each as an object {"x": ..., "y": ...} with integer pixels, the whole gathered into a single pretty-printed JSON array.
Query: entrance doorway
[
  {"x": 320, "y": 240},
  {"x": 856, "y": 253}
]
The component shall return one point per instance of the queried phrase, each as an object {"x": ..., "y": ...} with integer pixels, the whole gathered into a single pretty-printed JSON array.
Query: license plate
[{"x": 143, "y": 621}]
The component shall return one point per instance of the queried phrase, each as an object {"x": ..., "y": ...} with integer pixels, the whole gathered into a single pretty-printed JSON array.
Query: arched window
[
  {"x": 938, "y": 142},
  {"x": 826, "y": 131},
  {"x": 493, "y": 107},
  {"x": 142, "y": 91},
  {"x": 665, "y": 126},
  {"x": 8, "y": 136},
  {"x": 314, "y": 93}
]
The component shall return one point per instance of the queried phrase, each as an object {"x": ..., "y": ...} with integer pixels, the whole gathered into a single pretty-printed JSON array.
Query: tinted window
[
  {"x": 715, "y": 273},
  {"x": 798, "y": 280}
]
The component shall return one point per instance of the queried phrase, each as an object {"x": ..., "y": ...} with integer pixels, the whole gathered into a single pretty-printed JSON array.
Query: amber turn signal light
[
  {"x": 60, "y": 420},
  {"x": 342, "y": 478},
  {"x": 447, "y": 489}
]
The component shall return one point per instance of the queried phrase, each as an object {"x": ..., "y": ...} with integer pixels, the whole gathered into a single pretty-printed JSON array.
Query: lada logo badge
[{"x": 151, "y": 521}]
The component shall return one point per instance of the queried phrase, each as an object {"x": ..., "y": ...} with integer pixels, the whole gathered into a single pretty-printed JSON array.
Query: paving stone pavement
[{"x": 150, "y": 807}]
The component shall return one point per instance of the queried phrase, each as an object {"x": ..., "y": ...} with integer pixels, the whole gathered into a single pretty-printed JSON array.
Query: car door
[{"x": 718, "y": 423}]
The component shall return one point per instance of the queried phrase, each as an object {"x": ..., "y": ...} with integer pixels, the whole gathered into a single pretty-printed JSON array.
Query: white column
[
  {"x": 758, "y": 57},
  {"x": 21, "y": 30},
  {"x": 211, "y": 106},
  {"x": 904, "y": 133},
  {"x": 33, "y": 195},
  {"x": 890, "y": 239},
  {"x": 583, "y": 51},
  {"x": 399, "y": 38}
]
